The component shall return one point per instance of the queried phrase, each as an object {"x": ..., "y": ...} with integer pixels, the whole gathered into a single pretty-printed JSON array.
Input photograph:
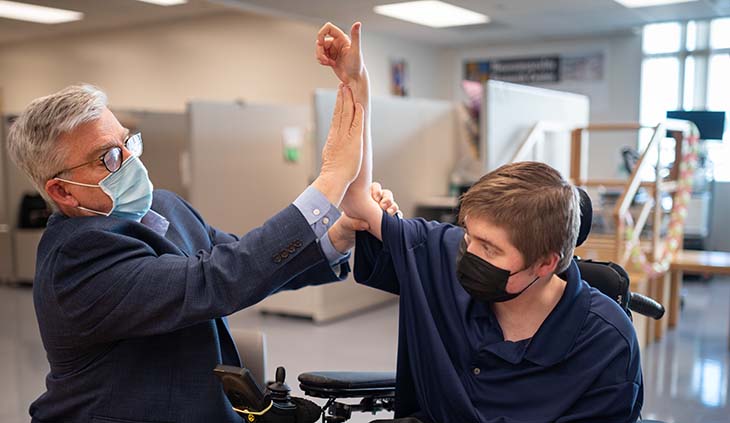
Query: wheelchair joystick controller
[
  {"x": 273, "y": 405},
  {"x": 279, "y": 390}
]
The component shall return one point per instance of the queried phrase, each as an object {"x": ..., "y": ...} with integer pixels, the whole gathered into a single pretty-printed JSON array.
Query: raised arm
[{"x": 344, "y": 55}]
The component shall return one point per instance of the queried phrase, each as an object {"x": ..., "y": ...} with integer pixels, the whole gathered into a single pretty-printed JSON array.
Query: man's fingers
[
  {"x": 355, "y": 35},
  {"x": 393, "y": 210},
  {"x": 337, "y": 115},
  {"x": 330, "y": 30},
  {"x": 359, "y": 225},
  {"x": 387, "y": 195},
  {"x": 319, "y": 53},
  {"x": 352, "y": 224},
  {"x": 376, "y": 191},
  {"x": 348, "y": 106},
  {"x": 331, "y": 49},
  {"x": 356, "y": 128}
]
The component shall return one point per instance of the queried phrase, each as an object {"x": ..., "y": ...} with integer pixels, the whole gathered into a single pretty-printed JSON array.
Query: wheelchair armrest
[{"x": 348, "y": 384}]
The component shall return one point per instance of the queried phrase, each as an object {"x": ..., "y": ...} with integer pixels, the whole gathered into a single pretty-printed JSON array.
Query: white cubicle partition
[
  {"x": 508, "y": 113},
  {"x": 165, "y": 136},
  {"x": 238, "y": 175}
]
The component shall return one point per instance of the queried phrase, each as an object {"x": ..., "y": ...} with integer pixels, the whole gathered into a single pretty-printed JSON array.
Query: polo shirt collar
[{"x": 557, "y": 334}]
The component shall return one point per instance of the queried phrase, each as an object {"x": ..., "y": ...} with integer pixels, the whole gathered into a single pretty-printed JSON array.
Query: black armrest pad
[
  {"x": 347, "y": 384},
  {"x": 348, "y": 380}
]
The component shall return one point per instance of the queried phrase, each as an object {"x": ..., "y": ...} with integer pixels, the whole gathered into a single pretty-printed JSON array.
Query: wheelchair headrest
[{"x": 586, "y": 216}]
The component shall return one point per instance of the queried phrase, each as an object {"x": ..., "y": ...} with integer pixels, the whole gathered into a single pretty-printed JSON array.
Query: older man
[{"x": 132, "y": 285}]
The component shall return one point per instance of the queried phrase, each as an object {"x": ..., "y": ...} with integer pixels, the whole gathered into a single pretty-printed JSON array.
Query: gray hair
[{"x": 33, "y": 136}]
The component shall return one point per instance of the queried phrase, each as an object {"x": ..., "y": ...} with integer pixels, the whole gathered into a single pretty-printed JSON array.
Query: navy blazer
[{"x": 131, "y": 320}]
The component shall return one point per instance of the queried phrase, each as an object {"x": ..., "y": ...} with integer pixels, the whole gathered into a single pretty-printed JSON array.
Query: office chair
[{"x": 376, "y": 390}]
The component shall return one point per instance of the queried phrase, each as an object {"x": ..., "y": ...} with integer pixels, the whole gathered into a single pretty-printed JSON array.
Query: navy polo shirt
[{"x": 454, "y": 365}]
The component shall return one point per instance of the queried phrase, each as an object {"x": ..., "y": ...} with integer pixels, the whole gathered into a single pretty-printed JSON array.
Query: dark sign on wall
[{"x": 525, "y": 70}]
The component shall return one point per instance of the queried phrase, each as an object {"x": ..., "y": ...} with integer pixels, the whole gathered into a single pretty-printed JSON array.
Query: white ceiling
[
  {"x": 100, "y": 15},
  {"x": 511, "y": 19}
]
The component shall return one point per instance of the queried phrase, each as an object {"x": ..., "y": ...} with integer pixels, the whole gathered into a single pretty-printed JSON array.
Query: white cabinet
[
  {"x": 26, "y": 247},
  {"x": 697, "y": 223}
]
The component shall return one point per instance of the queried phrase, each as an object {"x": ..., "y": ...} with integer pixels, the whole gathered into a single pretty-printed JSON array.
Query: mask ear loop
[
  {"x": 531, "y": 283},
  {"x": 95, "y": 211},
  {"x": 81, "y": 184}
]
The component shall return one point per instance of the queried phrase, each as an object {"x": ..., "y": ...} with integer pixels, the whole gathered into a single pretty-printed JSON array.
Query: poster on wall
[
  {"x": 398, "y": 77},
  {"x": 586, "y": 67},
  {"x": 539, "y": 69}
]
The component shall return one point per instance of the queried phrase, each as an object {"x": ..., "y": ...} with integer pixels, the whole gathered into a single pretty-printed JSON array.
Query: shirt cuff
[
  {"x": 333, "y": 256},
  {"x": 317, "y": 210}
]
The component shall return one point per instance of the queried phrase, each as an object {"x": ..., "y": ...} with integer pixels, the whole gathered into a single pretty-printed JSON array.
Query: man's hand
[
  {"x": 340, "y": 52},
  {"x": 342, "y": 233},
  {"x": 342, "y": 154},
  {"x": 384, "y": 198}
]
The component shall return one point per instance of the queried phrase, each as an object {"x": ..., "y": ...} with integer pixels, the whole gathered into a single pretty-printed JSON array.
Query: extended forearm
[
  {"x": 361, "y": 92},
  {"x": 358, "y": 202}
]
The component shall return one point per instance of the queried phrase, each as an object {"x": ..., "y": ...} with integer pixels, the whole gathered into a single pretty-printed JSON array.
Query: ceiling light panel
[
  {"x": 165, "y": 2},
  {"x": 647, "y": 3},
  {"x": 435, "y": 14},
  {"x": 38, "y": 14}
]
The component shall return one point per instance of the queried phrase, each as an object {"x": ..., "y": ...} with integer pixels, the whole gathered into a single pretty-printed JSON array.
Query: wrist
[
  {"x": 360, "y": 84},
  {"x": 340, "y": 243},
  {"x": 332, "y": 187}
]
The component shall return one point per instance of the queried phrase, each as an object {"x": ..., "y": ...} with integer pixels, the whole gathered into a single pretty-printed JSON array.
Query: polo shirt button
[
  {"x": 326, "y": 220},
  {"x": 477, "y": 371},
  {"x": 316, "y": 212}
]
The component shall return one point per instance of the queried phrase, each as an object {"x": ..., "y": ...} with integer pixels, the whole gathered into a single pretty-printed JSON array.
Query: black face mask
[{"x": 483, "y": 280}]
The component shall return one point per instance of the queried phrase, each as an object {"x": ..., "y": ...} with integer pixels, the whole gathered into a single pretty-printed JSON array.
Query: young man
[{"x": 496, "y": 324}]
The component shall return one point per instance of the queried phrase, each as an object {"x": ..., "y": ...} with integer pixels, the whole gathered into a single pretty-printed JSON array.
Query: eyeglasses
[{"x": 113, "y": 157}]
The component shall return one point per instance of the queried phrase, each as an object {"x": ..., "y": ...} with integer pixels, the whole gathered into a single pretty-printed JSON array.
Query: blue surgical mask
[{"x": 129, "y": 188}]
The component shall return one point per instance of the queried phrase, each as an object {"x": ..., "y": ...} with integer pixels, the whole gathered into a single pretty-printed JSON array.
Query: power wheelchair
[{"x": 376, "y": 390}]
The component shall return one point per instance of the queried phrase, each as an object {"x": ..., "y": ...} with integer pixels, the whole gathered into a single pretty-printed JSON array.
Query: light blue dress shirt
[{"x": 314, "y": 206}]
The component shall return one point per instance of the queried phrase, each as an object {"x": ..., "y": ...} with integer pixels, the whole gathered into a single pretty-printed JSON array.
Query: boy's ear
[{"x": 547, "y": 265}]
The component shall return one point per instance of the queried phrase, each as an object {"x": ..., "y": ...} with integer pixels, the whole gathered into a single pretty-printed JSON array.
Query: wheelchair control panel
[{"x": 270, "y": 405}]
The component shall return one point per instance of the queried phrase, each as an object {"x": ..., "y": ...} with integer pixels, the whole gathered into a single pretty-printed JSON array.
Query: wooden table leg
[
  {"x": 675, "y": 298},
  {"x": 663, "y": 294}
]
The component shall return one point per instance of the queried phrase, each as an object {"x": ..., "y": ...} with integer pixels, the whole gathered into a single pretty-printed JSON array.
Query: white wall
[
  {"x": 613, "y": 99},
  {"x": 218, "y": 57},
  {"x": 719, "y": 238}
]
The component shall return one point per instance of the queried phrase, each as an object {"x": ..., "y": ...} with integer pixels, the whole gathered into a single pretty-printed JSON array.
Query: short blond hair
[{"x": 532, "y": 202}]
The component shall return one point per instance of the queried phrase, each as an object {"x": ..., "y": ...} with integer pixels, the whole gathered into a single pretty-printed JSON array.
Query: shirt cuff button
[
  {"x": 326, "y": 220},
  {"x": 316, "y": 212}
]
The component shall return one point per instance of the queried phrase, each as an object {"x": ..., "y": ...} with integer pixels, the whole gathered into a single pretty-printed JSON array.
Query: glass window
[
  {"x": 691, "y": 35},
  {"x": 719, "y": 154},
  {"x": 689, "y": 83},
  {"x": 662, "y": 38},
  {"x": 659, "y": 88},
  {"x": 718, "y": 99},
  {"x": 720, "y": 33},
  {"x": 659, "y": 93},
  {"x": 718, "y": 83}
]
